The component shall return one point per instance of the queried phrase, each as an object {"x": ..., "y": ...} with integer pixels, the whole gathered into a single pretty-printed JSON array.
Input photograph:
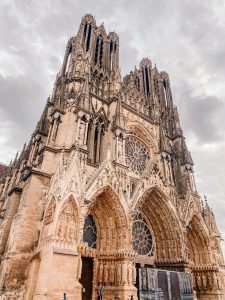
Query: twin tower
[{"x": 103, "y": 195}]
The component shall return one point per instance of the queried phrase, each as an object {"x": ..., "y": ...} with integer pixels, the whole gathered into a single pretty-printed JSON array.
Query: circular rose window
[
  {"x": 137, "y": 154},
  {"x": 141, "y": 237}
]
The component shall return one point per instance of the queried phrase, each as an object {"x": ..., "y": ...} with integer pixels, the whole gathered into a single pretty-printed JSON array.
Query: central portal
[{"x": 87, "y": 278}]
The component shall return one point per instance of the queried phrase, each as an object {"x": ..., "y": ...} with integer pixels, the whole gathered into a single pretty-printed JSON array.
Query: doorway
[{"x": 86, "y": 278}]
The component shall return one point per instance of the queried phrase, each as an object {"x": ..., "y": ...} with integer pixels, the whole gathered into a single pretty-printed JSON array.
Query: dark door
[
  {"x": 163, "y": 284},
  {"x": 175, "y": 287},
  {"x": 87, "y": 277}
]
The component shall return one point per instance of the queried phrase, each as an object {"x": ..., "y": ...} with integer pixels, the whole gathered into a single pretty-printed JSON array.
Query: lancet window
[
  {"x": 95, "y": 136},
  {"x": 99, "y": 132},
  {"x": 165, "y": 91},
  {"x": 112, "y": 49},
  {"x": 146, "y": 80},
  {"x": 90, "y": 232},
  {"x": 87, "y": 36},
  {"x": 68, "y": 59},
  {"x": 99, "y": 51}
]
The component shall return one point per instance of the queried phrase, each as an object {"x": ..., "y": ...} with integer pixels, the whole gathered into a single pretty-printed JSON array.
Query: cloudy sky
[{"x": 185, "y": 38}]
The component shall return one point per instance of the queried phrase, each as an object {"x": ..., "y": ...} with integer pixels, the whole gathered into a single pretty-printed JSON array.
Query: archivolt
[
  {"x": 111, "y": 221},
  {"x": 137, "y": 129},
  {"x": 198, "y": 242},
  {"x": 166, "y": 227}
]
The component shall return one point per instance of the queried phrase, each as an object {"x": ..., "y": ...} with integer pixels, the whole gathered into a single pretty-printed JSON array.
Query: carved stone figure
[{"x": 112, "y": 272}]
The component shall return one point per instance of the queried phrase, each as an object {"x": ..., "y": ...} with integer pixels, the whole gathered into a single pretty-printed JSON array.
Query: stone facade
[{"x": 106, "y": 176}]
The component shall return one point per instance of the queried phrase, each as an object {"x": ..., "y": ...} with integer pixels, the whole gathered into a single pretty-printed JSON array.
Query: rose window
[
  {"x": 90, "y": 232},
  {"x": 137, "y": 155},
  {"x": 141, "y": 236}
]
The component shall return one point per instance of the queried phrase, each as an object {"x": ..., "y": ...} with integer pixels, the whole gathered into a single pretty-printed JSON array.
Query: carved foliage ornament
[{"x": 137, "y": 154}]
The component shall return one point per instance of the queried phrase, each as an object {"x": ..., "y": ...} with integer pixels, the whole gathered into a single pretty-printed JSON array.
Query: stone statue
[
  {"x": 106, "y": 272},
  {"x": 112, "y": 273},
  {"x": 100, "y": 274}
]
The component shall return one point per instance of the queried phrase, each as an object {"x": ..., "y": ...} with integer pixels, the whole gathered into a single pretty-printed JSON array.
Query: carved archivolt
[
  {"x": 111, "y": 221},
  {"x": 198, "y": 242},
  {"x": 169, "y": 240},
  {"x": 143, "y": 133}
]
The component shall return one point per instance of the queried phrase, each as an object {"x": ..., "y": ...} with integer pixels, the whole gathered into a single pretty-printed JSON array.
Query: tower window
[
  {"x": 147, "y": 81},
  {"x": 96, "y": 50},
  {"x": 99, "y": 51},
  {"x": 68, "y": 59},
  {"x": 111, "y": 51},
  {"x": 165, "y": 91},
  {"x": 88, "y": 38}
]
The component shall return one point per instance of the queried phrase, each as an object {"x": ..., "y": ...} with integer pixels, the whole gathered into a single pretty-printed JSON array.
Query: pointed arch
[
  {"x": 166, "y": 227},
  {"x": 139, "y": 130},
  {"x": 111, "y": 221},
  {"x": 67, "y": 222},
  {"x": 198, "y": 242}
]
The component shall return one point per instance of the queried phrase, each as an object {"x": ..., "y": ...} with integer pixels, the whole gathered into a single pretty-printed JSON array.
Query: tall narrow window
[
  {"x": 68, "y": 59},
  {"x": 96, "y": 145},
  {"x": 84, "y": 34},
  {"x": 88, "y": 38},
  {"x": 147, "y": 81},
  {"x": 96, "y": 50},
  {"x": 111, "y": 54},
  {"x": 143, "y": 77},
  {"x": 90, "y": 232},
  {"x": 101, "y": 53},
  {"x": 164, "y": 91}
]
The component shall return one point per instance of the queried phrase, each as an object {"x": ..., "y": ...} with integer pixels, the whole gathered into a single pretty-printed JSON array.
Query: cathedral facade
[{"x": 103, "y": 195}]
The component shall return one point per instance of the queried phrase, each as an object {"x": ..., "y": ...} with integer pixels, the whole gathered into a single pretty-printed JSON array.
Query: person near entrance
[
  {"x": 100, "y": 293},
  {"x": 64, "y": 296}
]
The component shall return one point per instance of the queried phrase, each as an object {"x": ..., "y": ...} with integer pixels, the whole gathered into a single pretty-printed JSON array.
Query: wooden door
[{"x": 87, "y": 277}]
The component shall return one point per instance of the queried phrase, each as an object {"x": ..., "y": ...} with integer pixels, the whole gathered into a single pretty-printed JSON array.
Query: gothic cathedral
[{"x": 104, "y": 196}]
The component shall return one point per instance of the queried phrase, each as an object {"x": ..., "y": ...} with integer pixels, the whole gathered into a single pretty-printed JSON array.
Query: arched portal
[
  {"x": 111, "y": 221},
  {"x": 166, "y": 229},
  {"x": 197, "y": 243},
  {"x": 205, "y": 276},
  {"x": 112, "y": 255}
]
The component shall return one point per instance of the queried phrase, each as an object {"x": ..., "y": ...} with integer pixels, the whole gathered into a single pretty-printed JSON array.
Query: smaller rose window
[{"x": 141, "y": 236}]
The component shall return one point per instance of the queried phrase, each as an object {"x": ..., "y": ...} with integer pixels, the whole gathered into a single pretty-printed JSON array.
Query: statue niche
[{"x": 67, "y": 223}]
